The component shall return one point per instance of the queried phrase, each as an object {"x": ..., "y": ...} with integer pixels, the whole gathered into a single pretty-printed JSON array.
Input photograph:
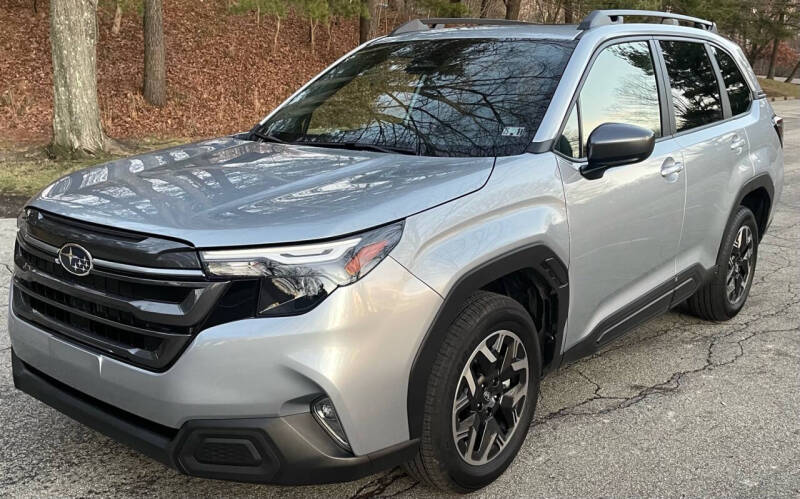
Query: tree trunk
[
  {"x": 117, "y": 19},
  {"x": 155, "y": 71},
  {"x": 312, "y": 26},
  {"x": 792, "y": 73},
  {"x": 773, "y": 57},
  {"x": 277, "y": 32},
  {"x": 754, "y": 53},
  {"x": 568, "y": 14},
  {"x": 366, "y": 21},
  {"x": 512, "y": 9},
  {"x": 76, "y": 114},
  {"x": 485, "y": 5}
]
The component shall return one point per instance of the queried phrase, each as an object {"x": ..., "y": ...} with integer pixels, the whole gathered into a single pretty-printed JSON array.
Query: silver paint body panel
[
  {"x": 625, "y": 229},
  {"x": 620, "y": 237},
  {"x": 357, "y": 346},
  {"x": 236, "y": 192}
]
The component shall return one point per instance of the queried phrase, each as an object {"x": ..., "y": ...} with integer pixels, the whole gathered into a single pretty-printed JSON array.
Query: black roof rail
[
  {"x": 441, "y": 22},
  {"x": 602, "y": 17}
]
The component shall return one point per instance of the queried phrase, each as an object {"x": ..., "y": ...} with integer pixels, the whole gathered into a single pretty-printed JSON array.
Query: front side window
[
  {"x": 448, "y": 97},
  {"x": 620, "y": 88},
  {"x": 735, "y": 84},
  {"x": 695, "y": 91},
  {"x": 569, "y": 144}
]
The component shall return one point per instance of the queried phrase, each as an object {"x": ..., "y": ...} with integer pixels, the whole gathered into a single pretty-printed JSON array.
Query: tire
[
  {"x": 713, "y": 301},
  {"x": 502, "y": 325}
]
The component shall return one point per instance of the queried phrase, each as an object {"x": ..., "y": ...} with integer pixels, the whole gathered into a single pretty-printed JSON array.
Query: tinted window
[
  {"x": 463, "y": 97},
  {"x": 621, "y": 88},
  {"x": 695, "y": 91},
  {"x": 570, "y": 141},
  {"x": 738, "y": 91}
]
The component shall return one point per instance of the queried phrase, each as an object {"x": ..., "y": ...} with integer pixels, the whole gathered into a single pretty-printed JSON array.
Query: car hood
[{"x": 232, "y": 192}]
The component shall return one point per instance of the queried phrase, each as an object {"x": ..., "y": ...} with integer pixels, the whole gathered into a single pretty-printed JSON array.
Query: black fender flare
[
  {"x": 538, "y": 257},
  {"x": 761, "y": 180}
]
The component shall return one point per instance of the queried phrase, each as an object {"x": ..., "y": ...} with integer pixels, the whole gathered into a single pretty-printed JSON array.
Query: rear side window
[
  {"x": 620, "y": 88},
  {"x": 735, "y": 84},
  {"x": 695, "y": 91}
]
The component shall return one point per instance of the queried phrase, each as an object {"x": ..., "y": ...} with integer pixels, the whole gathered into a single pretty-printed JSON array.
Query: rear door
[
  {"x": 714, "y": 143},
  {"x": 625, "y": 226}
]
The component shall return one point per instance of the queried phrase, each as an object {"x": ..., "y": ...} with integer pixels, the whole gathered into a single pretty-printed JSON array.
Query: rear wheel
[
  {"x": 724, "y": 295},
  {"x": 481, "y": 395}
]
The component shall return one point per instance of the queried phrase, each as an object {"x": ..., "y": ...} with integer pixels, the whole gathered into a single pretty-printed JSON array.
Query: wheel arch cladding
[
  {"x": 547, "y": 272},
  {"x": 756, "y": 194}
]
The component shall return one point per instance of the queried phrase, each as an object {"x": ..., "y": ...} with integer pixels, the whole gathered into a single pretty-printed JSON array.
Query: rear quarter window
[{"x": 736, "y": 86}]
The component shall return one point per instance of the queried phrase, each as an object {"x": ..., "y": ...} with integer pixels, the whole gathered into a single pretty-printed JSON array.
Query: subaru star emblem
[{"x": 75, "y": 259}]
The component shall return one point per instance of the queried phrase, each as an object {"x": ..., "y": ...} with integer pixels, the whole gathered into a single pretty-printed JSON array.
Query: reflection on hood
[{"x": 227, "y": 192}]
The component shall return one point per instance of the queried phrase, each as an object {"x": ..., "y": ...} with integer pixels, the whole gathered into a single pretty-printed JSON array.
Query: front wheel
[
  {"x": 724, "y": 295},
  {"x": 481, "y": 395}
]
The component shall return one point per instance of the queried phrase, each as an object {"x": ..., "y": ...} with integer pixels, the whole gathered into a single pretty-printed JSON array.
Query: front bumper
[
  {"x": 286, "y": 450},
  {"x": 356, "y": 347}
]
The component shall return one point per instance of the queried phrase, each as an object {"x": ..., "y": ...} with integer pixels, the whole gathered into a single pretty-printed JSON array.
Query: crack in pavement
[
  {"x": 377, "y": 486},
  {"x": 670, "y": 385}
]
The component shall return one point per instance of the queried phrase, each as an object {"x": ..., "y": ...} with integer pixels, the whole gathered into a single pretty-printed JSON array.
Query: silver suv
[{"x": 382, "y": 270}]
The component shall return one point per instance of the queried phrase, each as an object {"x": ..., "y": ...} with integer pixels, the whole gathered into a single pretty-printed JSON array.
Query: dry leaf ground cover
[{"x": 222, "y": 72}]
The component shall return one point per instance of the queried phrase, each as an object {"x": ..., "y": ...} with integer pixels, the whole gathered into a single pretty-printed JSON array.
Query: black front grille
[
  {"x": 113, "y": 285},
  {"x": 140, "y": 318},
  {"x": 112, "y": 334}
]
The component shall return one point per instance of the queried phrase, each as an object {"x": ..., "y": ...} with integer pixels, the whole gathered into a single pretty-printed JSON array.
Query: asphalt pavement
[{"x": 678, "y": 407}]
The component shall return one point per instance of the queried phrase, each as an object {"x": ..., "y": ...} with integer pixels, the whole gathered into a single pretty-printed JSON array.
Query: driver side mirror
[{"x": 616, "y": 144}]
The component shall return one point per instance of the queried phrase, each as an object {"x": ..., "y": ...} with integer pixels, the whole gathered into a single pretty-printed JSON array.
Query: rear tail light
[{"x": 778, "y": 122}]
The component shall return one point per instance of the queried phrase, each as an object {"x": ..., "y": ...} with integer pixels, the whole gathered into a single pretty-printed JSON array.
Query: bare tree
[
  {"x": 155, "y": 71},
  {"x": 776, "y": 43},
  {"x": 76, "y": 114},
  {"x": 366, "y": 20},
  {"x": 792, "y": 72},
  {"x": 117, "y": 18},
  {"x": 485, "y": 6},
  {"x": 512, "y": 9},
  {"x": 569, "y": 15}
]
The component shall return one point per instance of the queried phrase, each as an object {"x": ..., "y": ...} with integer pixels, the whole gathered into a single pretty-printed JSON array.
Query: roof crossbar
[
  {"x": 441, "y": 22},
  {"x": 603, "y": 17}
]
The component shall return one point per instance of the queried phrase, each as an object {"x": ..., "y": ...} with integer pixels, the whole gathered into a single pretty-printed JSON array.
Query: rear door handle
[
  {"x": 670, "y": 167},
  {"x": 737, "y": 143}
]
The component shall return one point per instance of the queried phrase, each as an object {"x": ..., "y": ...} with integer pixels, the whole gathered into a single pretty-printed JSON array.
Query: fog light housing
[{"x": 325, "y": 413}]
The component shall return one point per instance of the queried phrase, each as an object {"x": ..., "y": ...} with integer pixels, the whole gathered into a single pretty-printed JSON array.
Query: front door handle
[{"x": 671, "y": 167}]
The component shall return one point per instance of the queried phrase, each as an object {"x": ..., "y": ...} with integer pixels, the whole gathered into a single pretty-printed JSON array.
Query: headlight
[{"x": 294, "y": 279}]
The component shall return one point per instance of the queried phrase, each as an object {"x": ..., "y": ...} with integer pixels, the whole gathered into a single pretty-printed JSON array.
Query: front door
[{"x": 625, "y": 226}]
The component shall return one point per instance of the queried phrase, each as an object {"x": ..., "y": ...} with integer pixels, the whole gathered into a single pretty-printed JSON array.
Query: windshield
[{"x": 452, "y": 97}]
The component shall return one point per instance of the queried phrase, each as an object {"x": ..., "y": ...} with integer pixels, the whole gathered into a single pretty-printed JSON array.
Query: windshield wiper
[
  {"x": 360, "y": 146},
  {"x": 267, "y": 137}
]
